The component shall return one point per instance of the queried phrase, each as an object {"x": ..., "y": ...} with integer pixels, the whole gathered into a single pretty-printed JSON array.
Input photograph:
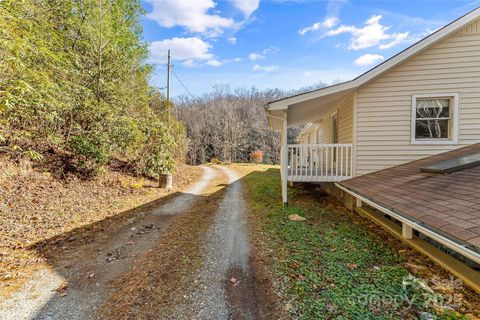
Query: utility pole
[
  {"x": 165, "y": 180},
  {"x": 169, "y": 70}
]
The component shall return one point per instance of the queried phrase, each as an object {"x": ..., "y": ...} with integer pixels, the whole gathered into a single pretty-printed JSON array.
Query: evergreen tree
[{"x": 74, "y": 80}]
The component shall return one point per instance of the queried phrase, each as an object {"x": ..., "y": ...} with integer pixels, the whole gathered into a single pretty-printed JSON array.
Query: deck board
[{"x": 313, "y": 175}]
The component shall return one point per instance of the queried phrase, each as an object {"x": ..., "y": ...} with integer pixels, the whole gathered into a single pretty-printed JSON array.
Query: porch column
[{"x": 284, "y": 160}]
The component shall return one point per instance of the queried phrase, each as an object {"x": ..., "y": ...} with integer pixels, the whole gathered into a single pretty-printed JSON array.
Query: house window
[{"x": 434, "y": 118}]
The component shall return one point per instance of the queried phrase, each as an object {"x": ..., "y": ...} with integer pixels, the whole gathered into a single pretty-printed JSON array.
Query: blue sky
[{"x": 283, "y": 44}]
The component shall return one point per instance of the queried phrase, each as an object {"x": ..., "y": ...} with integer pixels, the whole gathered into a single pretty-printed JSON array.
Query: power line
[
  {"x": 193, "y": 97},
  {"x": 184, "y": 87}
]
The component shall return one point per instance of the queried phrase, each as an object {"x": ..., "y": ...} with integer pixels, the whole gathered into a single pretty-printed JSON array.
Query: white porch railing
[{"x": 319, "y": 162}]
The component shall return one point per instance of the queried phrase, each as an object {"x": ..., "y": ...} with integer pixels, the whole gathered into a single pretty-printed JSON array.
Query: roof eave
[{"x": 282, "y": 104}]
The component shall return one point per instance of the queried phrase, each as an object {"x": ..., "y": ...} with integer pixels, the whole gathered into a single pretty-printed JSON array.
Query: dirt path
[
  {"x": 187, "y": 257},
  {"x": 83, "y": 273},
  {"x": 223, "y": 286}
]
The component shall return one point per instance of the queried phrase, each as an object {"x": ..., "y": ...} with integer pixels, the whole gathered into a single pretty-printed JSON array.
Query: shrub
[
  {"x": 256, "y": 156},
  {"x": 59, "y": 94},
  {"x": 215, "y": 161}
]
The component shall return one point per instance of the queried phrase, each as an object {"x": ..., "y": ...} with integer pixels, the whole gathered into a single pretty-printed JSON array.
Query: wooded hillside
[
  {"x": 75, "y": 95},
  {"x": 74, "y": 87},
  {"x": 229, "y": 125}
]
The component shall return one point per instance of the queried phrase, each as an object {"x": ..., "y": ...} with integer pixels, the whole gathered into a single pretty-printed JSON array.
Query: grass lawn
[{"x": 329, "y": 266}]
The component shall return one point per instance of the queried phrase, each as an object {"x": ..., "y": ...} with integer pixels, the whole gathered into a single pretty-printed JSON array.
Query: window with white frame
[{"x": 434, "y": 118}]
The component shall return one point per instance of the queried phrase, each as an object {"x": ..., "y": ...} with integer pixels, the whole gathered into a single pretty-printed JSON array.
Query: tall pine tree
[{"x": 74, "y": 81}]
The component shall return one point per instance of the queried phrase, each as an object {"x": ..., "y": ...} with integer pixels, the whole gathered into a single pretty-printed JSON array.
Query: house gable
[
  {"x": 384, "y": 105},
  {"x": 472, "y": 28},
  {"x": 465, "y": 24}
]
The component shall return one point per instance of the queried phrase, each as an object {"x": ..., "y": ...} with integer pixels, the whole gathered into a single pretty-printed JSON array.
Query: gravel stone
[{"x": 226, "y": 245}]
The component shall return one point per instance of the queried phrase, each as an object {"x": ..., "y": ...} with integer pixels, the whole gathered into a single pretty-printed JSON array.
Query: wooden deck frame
[{"x": 468, "y": 275}]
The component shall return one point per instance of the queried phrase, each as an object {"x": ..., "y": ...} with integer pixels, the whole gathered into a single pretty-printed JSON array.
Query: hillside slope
[{"x": 36, "y": 206}]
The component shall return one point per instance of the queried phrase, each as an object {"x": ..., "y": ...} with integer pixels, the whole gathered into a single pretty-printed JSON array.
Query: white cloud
[
  {"x": 191, "y": 15},
  {"x": 265, "y": 68},
  {"x": 232, "y": 40},
  {"x": 398, "y": 38},
  {"x": 187, "y": 50},
  {"x": 214, "y": 63},
  {"x": 258, "y": 56},
  {"x": 330, "y": 22},
  {"x": 333, "y": 11},
  {"x": 334, "y": 7},
  {"x": 325, "y": 24},
  {"x": 370, "y": 35},
  {"x": 237, "y": 59},
  {"x": 190, "y": 63},
  {"x": 255, "y": 56},
  {"x": 246, "y": 6},
  {"x": 270, "y": 50},
  {"x": 368, "y": 59},
  {"x": 328, "y": 75}
]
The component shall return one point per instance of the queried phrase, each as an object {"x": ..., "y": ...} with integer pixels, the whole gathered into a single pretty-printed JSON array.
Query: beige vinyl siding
[
  {"x": 384, "y": 104},
  {"x": 308, "y": 136},
  {"x": 473, "y": 27},
  {"x": 323, "y": 135},
  {"x": 304, "y": 138},
  {"x": 345, "y": 128},
  {"x": 345, "y": 123}
]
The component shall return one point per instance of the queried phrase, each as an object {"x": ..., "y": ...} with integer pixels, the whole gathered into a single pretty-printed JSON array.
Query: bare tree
[{"x": 230, "y": 125}]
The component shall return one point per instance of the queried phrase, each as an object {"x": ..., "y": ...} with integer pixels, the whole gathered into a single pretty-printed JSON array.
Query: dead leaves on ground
[
  {"x": 296, "y": 217},
  {"x": 36, "y": 206},
  {"x": 235, "y": 282}
]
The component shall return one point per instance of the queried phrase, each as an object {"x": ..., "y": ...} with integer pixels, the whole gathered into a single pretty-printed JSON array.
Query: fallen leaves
[
  {"x": 35, "y": 206},
  {"x": 414, "y": 267},
  {"x": 352, "y": 266},
  {"x": 111, "y": 256},
  {"x": 234, "y": 281},
  {"x": 62, "y": 290},
  {"x": 296, "y": 217}
]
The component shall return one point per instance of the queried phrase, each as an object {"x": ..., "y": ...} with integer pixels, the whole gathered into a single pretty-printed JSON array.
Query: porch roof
[
  {"x": 447, "y": 203},
  {"x": 309, "y": 106},
  {"x": 308, "y": 110}
]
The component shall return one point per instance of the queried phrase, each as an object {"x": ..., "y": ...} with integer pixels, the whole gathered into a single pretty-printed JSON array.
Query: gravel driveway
[
  {"x": 222, "y": 286},
  {"x": 87, "y": 274}
]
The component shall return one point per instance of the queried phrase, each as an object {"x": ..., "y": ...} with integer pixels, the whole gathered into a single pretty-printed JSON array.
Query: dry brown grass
[
  {"x": 153, "y": 289},
  {"x": 36, "y": 206},
  {"x": 161, "y": 278}
]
